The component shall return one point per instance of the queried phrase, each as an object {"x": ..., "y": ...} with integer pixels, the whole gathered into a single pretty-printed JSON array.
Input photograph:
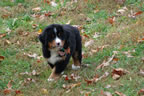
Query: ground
[{"x": 113, "y": 47}]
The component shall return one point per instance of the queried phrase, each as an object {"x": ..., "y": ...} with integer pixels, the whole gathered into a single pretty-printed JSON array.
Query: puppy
[{"x": 59, "y": 43}]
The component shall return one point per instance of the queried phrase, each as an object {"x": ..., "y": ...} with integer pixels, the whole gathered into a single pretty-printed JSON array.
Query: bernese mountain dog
[{"x": 59, "y": 43}]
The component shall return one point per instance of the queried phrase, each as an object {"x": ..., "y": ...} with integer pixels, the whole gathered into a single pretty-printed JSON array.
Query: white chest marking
[{"x": 54, "y": 57}]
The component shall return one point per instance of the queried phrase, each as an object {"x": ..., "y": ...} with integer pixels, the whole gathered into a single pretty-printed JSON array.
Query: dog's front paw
[{"x": 75, "y": 67}]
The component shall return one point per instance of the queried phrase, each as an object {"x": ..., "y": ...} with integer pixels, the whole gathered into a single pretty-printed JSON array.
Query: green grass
[{"x": 121, "y": 36}]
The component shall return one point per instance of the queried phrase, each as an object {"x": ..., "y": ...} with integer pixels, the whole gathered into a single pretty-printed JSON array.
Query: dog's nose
[{"x": 58, "y": 44}]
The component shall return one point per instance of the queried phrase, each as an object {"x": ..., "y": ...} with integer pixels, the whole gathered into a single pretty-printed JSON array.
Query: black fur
[{"x": 72, "y": 39}]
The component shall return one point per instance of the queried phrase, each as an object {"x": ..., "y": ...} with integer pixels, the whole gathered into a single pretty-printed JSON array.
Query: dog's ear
[
  {"x": 41, "y": 38},
  {"x": 67, "y": 41}
]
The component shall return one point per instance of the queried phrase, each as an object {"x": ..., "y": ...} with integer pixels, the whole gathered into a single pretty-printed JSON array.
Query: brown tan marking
[
  {"x": 54, "y": 75},
  {"x": 75, "y": 59},
  {"x": 52, "y": 44},
  {"x": 63, "y": 41}
]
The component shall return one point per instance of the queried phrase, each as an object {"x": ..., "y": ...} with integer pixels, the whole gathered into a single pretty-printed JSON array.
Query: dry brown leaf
[
  {"x": 7, "y": 41},
  {"x": 108, "y": 86},
  {"x": 2, "y": 35},
  {"x": 37, "y": 9},
  {"x": 2, "y": 58},
  {"x": 69, "y": 22},
  {"x": 117, "y": 73},
  {"x": 34, "y": 26},
  {"x": 87, "y": 93},
  {"x": 116, "y": 76},
  {"x": 120, "y": 1},
  {"x": 96, "y": 78},
  {"x": 140, "y": 40},
  {"x": 104, "y": 64},
  {"x": 106, "y": 94},
  {"x": 122, "y": 10},
  {"x": 6, "y": 91},
  {"x": 89, "y": 43},
  {"x": 44, "y": 91},
  {"x": 9, "y": 88},
  {"x": 141, "y": 92},
  {"x": 17, "y": 92},
  {"x": 128, "y": 54},
  {"x": 53, "y": 4},
  {"x": 34, "y": 55},
  {"x": 28, "y": 81},
  {"x": 138, "y": 13},
  {"x": 71, "y": 85},
  {"x": 119, "y": 93},
  {"x": 111, "y": 20},
  {"x": 141, "y": 73},
  {"x": 96, "y": 35}
]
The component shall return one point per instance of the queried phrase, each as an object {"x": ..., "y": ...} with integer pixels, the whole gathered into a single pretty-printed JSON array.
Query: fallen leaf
[
  {"x": 31, "y": 55},
  {"x": 141, "y": 73},
  {"x": 2, "y": 58},
  {"x": 89, "y": 81},
  {"x": 2, "y": 35},
  {"x": 111, "y": 20},
  {"x": 38, "y": 61},
  {"x": 28, "y": 81},
  {"x": 53, "y": 4},
  {"x": 120, "y": 1},
  {"x": 87, "y": 93},
  {"x": 40, "y": 31},
  {"x": 115, "y": 59},
  {"x": 44, "y": 91},
  {"x": 69, "y": 22},
  {"x": 122, "y": 10},
  {"x": 71, "y": 85},
  {"x": 104, "y": 64},
  {"x": 7, "y": 41},
  {"x": 74, "y": 77},
  {"x": 97, "y": 10},
  {"x": 4, "y": 16},
  {"x": 85, "y": 1},
  {"x": 117, "y": 73},
  {"x": 8, "y": 30},
  {"x": 108, "y": 86},
  {"x": 88, "y": 43},
  {"x": 116, "y": 77},
  {"x": 96, "y": 35},
  {"x": 138, "y": 13},
  {"x": 18, "y": 92},
  {"x": 128, "y": 54},
  {"x": 66, "y": 78},
  {"x": 96, "y": 78},
  {"x": 6, "y": 91},
  {"x": 119, "y": 93},
  {"x": 141, "y": 92},
  {"x": 48, "y": 14},
  {"x": 140, "y": 40},
  {"x": 37, "y": 9},
  {"x": 34, "y": 26},
  {"x": 106, "y": 94},
  {"x": 9, "y": 89}
]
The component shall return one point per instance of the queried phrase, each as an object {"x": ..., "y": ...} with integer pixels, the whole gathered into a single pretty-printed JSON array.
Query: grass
[{"x": 121, "y": 36}]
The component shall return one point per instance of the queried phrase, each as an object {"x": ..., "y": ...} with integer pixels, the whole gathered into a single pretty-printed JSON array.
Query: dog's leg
[
  {"x": 53, "y": 75},
  {"x": 77, "y": 60}
]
